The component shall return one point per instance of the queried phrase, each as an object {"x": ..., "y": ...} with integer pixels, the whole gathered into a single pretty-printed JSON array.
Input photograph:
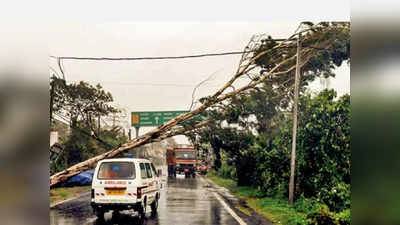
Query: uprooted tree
[{"x": 278, "y": 60}]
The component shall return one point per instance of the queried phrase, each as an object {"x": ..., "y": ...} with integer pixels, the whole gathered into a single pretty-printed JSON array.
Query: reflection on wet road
[{"x": 183, "y": 201}]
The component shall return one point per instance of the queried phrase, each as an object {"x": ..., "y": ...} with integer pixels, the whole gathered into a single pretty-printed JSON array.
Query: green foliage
[
  {"x": 81, "y": 101},
  {"x": 323, "y": 158},
  {"x": 324, "y": 149},
  {"x": 321, "y": 64},
  {"x": 344, "y": 217},
  {"x": 324, "y": 216},
  {"x": 79, "y": 147},
  {"x": 273, "y": 166},
  {"x": 306, "y": 205},
  {"x": 83, "y": 104},
  {"x": 323, "y": 153},
  {"x": 227, "y": 171}
]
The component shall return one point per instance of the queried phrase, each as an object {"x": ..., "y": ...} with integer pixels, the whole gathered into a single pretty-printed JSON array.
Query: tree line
[{"x": 81, "y": 106}]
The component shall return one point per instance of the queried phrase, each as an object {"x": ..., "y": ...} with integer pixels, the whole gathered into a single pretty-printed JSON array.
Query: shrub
[
  {"x": 227, "y": 171},
  {"x": 307, "y": 205},
  {"x": 322, "y": 217},
  {"x": 325, "y": 216}
]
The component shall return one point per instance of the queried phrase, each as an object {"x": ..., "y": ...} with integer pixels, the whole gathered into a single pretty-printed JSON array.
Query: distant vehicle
[
  {"x": 125, "y": 183},
  {"x": 182, "y": 160},
  {"x": 202, "y": 169}
]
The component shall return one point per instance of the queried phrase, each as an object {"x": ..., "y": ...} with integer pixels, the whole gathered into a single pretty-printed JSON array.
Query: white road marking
[
  {"x": 233, "y": 214},
  {"x": 226, "y": 206}
]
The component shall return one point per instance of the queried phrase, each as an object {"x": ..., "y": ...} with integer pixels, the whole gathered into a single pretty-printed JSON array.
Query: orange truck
[
  {"x": 171, "y": 162},
  {"x": 182, "y": 160}
]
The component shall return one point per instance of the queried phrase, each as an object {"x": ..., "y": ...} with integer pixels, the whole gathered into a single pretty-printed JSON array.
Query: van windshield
[{"x": 117, "y": 170}]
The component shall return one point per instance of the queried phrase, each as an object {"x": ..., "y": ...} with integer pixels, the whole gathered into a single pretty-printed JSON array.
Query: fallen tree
[{"x": 284, "y": 63}]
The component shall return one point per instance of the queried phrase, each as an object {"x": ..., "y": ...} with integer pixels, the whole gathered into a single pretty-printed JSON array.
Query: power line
[
  {"x": 149, "y": 58},
  {"x": 59, "y": 58},
  {"x": 146, "y": 84}
]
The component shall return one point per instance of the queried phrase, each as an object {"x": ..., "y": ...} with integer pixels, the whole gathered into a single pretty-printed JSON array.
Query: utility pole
[
  {"x": 137, "y": 131},
  {"x": 295, "y": 103},
  {"x": 137, "y": 135},
  {"x": 51, "y": 100}
]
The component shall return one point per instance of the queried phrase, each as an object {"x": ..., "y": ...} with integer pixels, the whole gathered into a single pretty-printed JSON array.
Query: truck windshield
[
  {"x": 117, "y": 170},
  {"x": 185, "y": 155}
]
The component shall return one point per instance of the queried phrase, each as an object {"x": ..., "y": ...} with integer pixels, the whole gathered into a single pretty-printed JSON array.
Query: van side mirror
[{"x": 159, "y": 173}]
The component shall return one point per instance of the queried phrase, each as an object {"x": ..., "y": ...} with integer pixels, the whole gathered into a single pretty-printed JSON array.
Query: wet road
[{"x": 183, "y": 201}]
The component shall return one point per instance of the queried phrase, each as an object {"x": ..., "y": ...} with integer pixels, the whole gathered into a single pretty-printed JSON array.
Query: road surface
[{"x": 183, "y": 201}]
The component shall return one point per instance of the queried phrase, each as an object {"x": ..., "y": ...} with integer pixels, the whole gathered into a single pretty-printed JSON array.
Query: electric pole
[
  {"x": 295, "y": 103},
  {"x": 51, "y": 99},
  {"x": 137, "y": 131}
]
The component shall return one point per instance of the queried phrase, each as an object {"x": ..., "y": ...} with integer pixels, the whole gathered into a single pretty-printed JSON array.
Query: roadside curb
[{"x": 69, "y": 199}]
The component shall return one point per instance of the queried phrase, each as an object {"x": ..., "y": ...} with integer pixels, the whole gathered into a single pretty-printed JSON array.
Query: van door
[
  {"x": 156, "y": 177},
  {"x": 145, "y": 180},
  {"x": 151, "y": 182}
]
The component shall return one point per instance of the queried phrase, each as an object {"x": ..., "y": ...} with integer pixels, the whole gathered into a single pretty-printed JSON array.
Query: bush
[
  {"x": 226, "y": 171},
  {"x": 307, "y": 205},
  {"x": 323, "y": 153},
  {"x": 336, "y": 197},
  {"x": 343, "y": 217},
  {"x": 325, "y": 216},
  {"x": 321, "y": 217}
]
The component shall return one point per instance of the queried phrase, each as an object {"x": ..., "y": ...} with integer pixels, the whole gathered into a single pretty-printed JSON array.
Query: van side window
[
  {"x": 143, "y": 172},
  {"x": 149, "y": 175},
  {"x": 154, "y": 170}
]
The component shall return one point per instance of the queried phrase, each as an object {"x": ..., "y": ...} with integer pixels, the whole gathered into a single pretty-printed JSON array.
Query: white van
[{"x": 124, "y": 184}]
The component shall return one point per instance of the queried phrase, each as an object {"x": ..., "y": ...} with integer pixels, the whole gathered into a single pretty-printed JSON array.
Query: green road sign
[{"x": 153, "y": 119}]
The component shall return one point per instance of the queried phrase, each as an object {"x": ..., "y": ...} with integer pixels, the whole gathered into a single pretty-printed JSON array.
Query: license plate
[{"x": 115, "y": 192}]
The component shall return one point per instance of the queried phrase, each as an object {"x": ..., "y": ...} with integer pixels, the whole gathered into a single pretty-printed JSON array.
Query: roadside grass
[
  {"x": 243, "y": 210},
  {"x": 275, "y": 209},
  {"x": 63, "y": 193}
]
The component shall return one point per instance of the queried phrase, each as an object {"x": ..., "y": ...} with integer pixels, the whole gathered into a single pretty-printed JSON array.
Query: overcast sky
[{"x": 163, "y": 84}]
